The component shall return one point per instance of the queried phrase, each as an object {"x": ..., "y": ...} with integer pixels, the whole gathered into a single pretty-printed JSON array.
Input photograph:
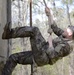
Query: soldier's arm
[
  {"x": 52, "y": 23},
  {"x": 58, "y": 31},
  {"x": 60, "y": 51}
]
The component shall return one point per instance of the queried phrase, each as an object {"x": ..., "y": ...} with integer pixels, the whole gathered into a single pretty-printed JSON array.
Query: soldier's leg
[
  {"x": 17, "y": 32},
  {"x": 21, "y": 58},
  {"x": 39, "y": 45}
]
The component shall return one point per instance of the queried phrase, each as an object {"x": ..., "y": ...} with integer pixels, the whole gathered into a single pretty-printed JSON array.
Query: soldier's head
[{"x": 69, "y": 32}]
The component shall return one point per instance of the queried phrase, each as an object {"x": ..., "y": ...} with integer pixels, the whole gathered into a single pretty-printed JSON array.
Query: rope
[
  {"x": 45, "y": 3},
  {"x": 49, "y": 30}
]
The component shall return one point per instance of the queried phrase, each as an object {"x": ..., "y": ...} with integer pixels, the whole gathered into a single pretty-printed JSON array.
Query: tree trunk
[
  {"x": 68, "y": 14},
  {"x": 4, "y": 47}
]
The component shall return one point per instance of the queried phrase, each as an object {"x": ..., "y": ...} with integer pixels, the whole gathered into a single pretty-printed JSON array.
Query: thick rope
[
  {"x": 49, "y": 19},
  {"x": 45, "y": 3}
]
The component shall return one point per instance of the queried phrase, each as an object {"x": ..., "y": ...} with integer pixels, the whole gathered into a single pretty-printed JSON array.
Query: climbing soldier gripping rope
[{"x": 43, "y": 52}]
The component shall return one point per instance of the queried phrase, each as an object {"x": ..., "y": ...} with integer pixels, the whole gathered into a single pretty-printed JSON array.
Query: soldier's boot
[
  {"x": 24, "y": 58},
  {"x": 9, "y": 66},
  {"x": 19, "y": 32},
  {"x": 6, "y": 32}
]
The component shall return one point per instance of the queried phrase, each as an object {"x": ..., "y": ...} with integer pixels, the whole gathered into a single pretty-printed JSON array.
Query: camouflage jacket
[
  {"x": 47, "y": 55},
  {"x": 62, "y": 46}
]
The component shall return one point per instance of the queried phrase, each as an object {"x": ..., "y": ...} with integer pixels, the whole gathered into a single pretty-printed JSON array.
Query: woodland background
[{"x": 63, "y": 11}]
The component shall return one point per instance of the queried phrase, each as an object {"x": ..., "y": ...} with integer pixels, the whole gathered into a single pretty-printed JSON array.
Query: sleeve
[
  {"x": 60, "y": 51},
  {"x": 63, "y": 49},
  {"x": 56, "y": 30}
]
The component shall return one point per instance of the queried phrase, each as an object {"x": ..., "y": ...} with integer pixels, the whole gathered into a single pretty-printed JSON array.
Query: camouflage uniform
[{"x": 41, "y": 53}]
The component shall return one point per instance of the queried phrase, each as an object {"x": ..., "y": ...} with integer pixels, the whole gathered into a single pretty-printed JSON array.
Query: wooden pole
[
  {"x": 31, "y": 13},
  {"x": 31, "y": 26},
  {"x": 9, "y": 21}
]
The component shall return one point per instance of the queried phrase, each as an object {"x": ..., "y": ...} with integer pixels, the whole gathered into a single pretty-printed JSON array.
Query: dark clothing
[
  {"x": 23, "y": 58},
  {"x": 41, "y": 53},
  {"x": 56, "y": 30}
]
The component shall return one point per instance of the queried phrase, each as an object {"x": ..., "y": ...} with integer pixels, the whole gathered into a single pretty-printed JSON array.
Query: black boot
[{"x": 6, "y": 32}]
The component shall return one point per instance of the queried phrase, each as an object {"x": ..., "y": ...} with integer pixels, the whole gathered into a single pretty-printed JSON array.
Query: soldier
[{"x": 43, "y": 52}]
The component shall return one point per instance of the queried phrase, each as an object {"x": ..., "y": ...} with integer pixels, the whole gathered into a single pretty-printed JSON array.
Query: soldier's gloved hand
[{"x": 47, "y": 11}]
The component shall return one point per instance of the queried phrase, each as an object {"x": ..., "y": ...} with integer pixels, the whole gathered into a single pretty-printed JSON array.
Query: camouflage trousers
[{"x": 38, "y": 45}]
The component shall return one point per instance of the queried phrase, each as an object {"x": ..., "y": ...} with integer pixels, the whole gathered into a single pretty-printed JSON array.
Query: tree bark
[{"x": 68, "y": 14}]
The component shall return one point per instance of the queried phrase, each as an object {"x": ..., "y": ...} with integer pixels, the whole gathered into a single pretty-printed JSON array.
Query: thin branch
[{"x": 36, "y": 5}]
